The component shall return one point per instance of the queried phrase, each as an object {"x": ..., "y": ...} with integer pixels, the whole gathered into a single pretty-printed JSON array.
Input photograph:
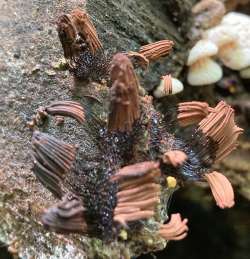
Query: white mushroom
[
  {"x": 220, "y": 36},
  {"x": 232, "y": 37},
  {"x": 168, "y": 86},
  {"x": 235, "y": 57},
  {"x": 240, "y": 24},
  {"x": 202, "y": 69},
  {"x": 235, "y": 19}
]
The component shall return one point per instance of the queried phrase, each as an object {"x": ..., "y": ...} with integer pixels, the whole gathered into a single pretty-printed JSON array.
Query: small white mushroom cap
[
  {"x": 221, "y": 36},
  {"x": 202, "y": 69},
  {"x": 235, "y": 57},
  {"x": 245, "y": 73},
  {"x": 204, "y": 73},
  {"x": 235, "y": 19},
  {"x": 176, "y": 87},
  {"x": 240, "y": 24},
  {"x": 202, "y": 49}
]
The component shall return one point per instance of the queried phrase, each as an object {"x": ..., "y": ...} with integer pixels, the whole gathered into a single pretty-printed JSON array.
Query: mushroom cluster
[
  {"x": 229, "y": 42},
  {"x": 119, "y": 193},
  {"x": 232, "y": 38}
]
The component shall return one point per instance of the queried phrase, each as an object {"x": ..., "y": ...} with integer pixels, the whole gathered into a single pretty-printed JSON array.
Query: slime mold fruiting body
[{"x": 119, "y": 194}]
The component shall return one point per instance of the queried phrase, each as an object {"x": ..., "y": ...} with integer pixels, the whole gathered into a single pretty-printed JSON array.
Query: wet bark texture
[{"x": 29, "y": 77}]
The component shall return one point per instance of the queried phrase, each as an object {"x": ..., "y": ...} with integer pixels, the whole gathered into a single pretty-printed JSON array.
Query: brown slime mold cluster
[{"x": 120, "y": 195}]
